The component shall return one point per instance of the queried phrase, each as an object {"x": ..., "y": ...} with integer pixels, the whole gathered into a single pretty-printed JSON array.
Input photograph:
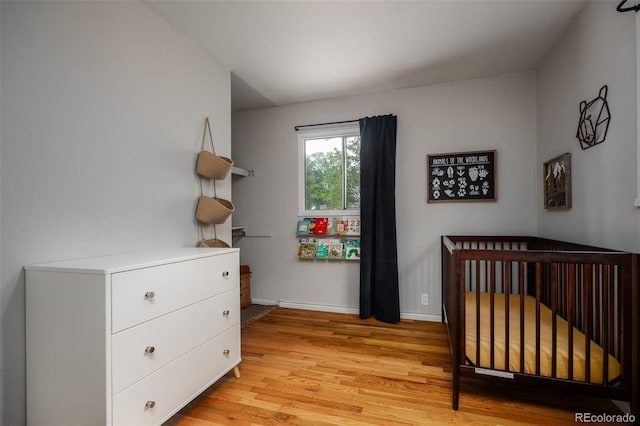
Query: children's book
[
  {"x": 312, "y": 225},
  {"x": 331, "y": 226},
  {"x": 353, "y": 225},
  {"x": 321, "y": 226},
  {"x": 321, "y": 251},
  {"x": 303, "y": 227},
  {"x": 352, "y": 249},
  {"x": 307, "y": 248},
  {"x": 335, "y": 249}
]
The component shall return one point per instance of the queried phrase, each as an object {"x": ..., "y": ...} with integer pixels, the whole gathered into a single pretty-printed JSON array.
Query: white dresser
[{"x": 129, "y": 339}]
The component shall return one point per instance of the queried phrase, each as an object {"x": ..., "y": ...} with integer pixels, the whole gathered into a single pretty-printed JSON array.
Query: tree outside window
[{"x": 331, "y": 174}]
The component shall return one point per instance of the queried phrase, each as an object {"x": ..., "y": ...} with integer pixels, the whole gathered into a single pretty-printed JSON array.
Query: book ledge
[{"x": 336, "y": 238}]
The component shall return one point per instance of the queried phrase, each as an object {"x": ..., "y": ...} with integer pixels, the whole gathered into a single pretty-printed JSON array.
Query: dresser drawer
[
  {"x": 171, "y": 387},
  {"x": 138, "y": 351},
  {"x": 143, "y": 294}
]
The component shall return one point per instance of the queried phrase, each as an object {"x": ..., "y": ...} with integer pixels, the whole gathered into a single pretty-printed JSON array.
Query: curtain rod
[{"x": 325, "y": 124}]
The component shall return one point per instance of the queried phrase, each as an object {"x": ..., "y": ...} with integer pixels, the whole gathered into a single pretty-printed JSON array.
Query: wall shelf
[
  {"x": 238, "y": 171},
  {"x": 329, "y": 247},
  {"x": 238, "y": 231}
]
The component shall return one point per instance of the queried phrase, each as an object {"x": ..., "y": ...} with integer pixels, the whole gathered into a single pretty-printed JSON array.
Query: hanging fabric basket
[
  {"x": 210, "y": 165},
  {"x": 213, "y": 210},
  {"x": 211, "y": 242}
]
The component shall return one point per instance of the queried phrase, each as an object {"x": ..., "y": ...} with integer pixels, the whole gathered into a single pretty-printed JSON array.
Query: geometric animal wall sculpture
[
  {"x": 594, "y": 120},
  {"x": 622, "y": 8}
]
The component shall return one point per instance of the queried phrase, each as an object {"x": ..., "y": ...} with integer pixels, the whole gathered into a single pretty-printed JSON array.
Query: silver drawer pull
[
  {"x": 226, "y": 352},
  {"x": 149, "y": 349},
  {"x": 225, "y": 312},
  {"x": 149, "y": 295},
  {"x": 149, "y": 404},
  {"x": 225, "y": 274}
]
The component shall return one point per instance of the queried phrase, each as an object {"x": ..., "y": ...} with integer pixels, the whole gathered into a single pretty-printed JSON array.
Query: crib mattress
[{"x": 546, "y": 348}]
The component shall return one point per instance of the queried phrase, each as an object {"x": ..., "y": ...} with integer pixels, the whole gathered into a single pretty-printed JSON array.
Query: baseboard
[
  {"x": 263, "y": 302},
  {"x": 354, "y": 311},
  {"x": 421, "y": 317},
  {"x": 321, "y": 308}
]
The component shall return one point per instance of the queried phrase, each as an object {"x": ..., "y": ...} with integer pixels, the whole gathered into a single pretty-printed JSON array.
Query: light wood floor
[{"x": 317, "y": 368}]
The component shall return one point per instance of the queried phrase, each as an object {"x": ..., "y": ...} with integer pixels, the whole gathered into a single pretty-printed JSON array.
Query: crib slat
[
  {"x": 492, "y": 291},
  {"x": 612, "y": 312},
  {"x": 565, "y": 289},
  {"x": 560, "y": 290},
  {"x": 588, "y": 283},
  {"x": 521, "y": 291},
  {"x": 572, "y": 299},
  {"x": 597, "y": 301},
  {"x": 462, "y": 337},
  {"x": 580, "y": 294},
  {"x": 538, "y": 278},
  {"x": 554, "y": 331},
  {"x": 605, "y": 320},
  {"x": 478, "y": 314},
  {"x": 507, "y": 291},
  {"x": 620, "y": 304}
]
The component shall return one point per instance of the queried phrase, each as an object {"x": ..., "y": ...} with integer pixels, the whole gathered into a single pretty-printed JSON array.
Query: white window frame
[{"x": 351, "y": 129}]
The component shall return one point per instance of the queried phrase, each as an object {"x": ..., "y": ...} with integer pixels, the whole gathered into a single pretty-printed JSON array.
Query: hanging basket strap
[
  {"x": 215, "y": 192},
  {"x": 215, "y": 232},
  {"x": 207, "y": 127}
]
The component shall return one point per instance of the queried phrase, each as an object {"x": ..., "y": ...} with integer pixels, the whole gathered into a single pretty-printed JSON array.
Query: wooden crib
[{"x": 536, "y": 312}]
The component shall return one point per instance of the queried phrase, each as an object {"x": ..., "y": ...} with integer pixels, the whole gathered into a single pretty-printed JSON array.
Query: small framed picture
[{"x": 557, "y": 182}]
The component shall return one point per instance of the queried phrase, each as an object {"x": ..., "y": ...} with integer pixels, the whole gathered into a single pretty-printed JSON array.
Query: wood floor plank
[{"x": 318, "y": 368}]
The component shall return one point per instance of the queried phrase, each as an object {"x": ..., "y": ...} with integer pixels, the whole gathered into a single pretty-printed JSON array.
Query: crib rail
[{"x": 588, "y": 288}]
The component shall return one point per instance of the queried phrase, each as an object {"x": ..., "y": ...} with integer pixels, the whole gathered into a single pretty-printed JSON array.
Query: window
[{"x": 329, "y": 171}]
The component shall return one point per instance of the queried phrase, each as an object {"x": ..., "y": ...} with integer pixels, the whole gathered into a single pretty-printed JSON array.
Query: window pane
[
  {"x": 323, "y": 174},
  {"x": 352, "y": 161}
]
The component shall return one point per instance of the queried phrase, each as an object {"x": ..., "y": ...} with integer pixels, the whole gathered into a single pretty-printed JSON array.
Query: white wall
[
  {"x": 597, "y": 49},
  {"x": 493, "y": 113},
  {"x": 103, "y": 105}
]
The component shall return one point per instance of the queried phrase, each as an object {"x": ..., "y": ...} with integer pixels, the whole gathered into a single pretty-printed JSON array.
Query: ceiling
[{"x": 283, "y": 52}]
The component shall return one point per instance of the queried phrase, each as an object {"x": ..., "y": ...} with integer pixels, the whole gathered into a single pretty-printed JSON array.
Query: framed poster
[
  {"x": 557, "y": 182},
  {"x": 461, "y": 176}
]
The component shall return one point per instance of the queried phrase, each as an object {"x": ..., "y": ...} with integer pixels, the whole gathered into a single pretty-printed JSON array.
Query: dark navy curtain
[{"x": 379, "y": 296}]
